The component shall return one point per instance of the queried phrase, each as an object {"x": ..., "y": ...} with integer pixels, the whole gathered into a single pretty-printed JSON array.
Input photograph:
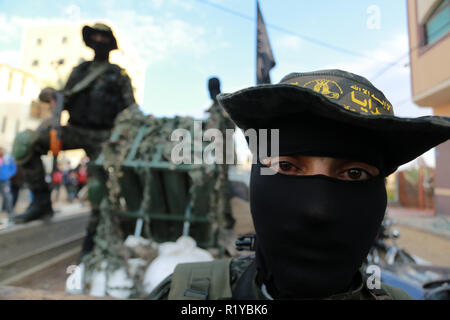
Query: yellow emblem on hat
[{"x": 324, "y": 87}]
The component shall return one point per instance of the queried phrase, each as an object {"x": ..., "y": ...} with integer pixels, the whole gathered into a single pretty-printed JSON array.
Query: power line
[
  {"x": 301, "y": 36},
  {"x": 389, "y": 65},
  {"x": 402, "y": 102},
  {"x": 233, "y": 12}
]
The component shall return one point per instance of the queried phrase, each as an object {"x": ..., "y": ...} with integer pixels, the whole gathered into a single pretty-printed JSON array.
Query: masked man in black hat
[
  {"x": 318, "y": 196},
  {"x": 95, "y": 93}
]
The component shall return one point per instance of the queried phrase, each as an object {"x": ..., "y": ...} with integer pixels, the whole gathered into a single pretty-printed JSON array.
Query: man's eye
[
  {"x": 285, "y": 167},
  {"x": 357, "y": 174}
]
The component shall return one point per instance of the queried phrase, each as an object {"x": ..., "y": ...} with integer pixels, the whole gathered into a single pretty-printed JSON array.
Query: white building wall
[{"x": 17, "y": 90}]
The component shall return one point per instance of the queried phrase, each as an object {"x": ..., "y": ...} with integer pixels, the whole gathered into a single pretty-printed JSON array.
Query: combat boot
[{"x": 40, "y": 208}]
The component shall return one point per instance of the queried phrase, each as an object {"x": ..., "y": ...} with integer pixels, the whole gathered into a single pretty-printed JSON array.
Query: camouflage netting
[{"x": 138, "y": 194}]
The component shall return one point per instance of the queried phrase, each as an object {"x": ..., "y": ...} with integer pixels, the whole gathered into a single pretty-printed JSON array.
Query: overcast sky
[{"x": 185, "y": 42}]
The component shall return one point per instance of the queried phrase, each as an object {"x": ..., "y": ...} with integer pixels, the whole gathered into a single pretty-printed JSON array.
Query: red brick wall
[
  {"x": 442, "y": 177},
  {"x": 412, "y": 196}
]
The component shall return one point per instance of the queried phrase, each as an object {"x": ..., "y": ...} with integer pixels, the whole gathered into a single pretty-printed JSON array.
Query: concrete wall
[
  {"x": 425, "y": 8},
  {"x": 17, "y": 91},
  {"x": 430, "y": 82},
  {"x": 442, "y": 179},
  {"x": 430, "y": 65}
]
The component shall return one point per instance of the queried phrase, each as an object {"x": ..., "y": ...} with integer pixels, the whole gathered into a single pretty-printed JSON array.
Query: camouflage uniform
[
  {"x": 243, "y": 283},
  {"x": 219, "y": 119}
]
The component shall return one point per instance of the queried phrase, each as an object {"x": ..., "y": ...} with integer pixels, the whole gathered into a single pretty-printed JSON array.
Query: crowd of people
[
  {"x": 10, "y": 181},
  {"x": 73, "y": 179}
]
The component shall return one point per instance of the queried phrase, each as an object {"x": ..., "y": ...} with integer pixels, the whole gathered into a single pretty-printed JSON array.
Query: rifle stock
[{"x": 55, "y": 131}]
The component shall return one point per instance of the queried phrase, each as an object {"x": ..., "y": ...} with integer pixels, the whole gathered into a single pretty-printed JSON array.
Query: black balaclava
[
  {"x": 101, "y": 50},
  {"x": 313, "y": 232}
]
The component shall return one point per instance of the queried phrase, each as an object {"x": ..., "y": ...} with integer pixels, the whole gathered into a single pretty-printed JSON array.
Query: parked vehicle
[{"x": 419, "y": 278}]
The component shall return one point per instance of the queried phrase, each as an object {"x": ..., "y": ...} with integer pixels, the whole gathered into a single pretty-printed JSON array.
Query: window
[
  {"x": 35, "y": 63},
  {"x": 64, "y": 40},
  {"x": 39, "y": 41},
  {"x": 438, "y": 25}
]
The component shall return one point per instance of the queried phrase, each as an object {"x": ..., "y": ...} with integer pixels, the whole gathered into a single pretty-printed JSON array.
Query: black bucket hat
[
  {"x": 99, "y": 28},
  {"x": 341, "y": 97}
]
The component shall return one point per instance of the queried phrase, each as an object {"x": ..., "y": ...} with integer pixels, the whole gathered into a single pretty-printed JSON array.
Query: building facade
[
  {"x": 17, "y": 90},
  {"x": 429, "y": 40}
]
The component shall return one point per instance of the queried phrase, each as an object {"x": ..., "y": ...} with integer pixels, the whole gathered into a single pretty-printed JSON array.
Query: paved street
[
  {"x": 423, "y": 234},
  {"x": 424, "y": 220},
  {"x": 428, "y": 246}
]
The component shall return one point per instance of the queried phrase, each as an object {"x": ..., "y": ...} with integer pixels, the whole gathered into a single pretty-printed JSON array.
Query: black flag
[{"x": 264, "y": 55}]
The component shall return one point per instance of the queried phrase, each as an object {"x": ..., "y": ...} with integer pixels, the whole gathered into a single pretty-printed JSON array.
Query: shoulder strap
[
  {"x": 86, "y": 81},
  {"x": 201, "y": 281},
  {"x": 245, "y": 285}
]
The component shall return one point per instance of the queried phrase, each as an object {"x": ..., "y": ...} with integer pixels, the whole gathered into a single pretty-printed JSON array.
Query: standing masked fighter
[{"x": 95, "y": 93}]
